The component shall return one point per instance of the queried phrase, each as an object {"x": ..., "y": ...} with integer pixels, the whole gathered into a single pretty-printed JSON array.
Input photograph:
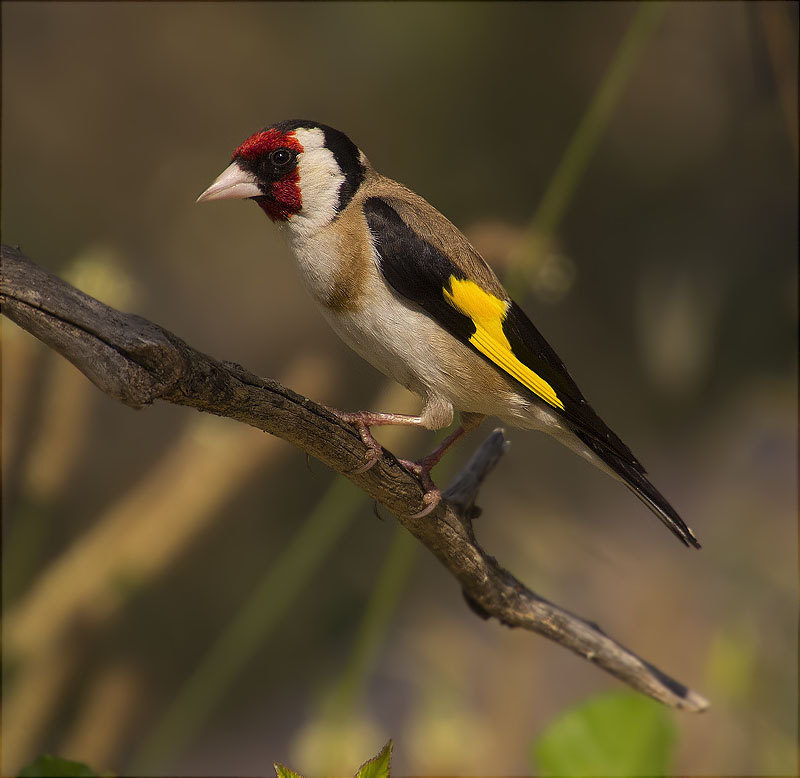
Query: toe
[
  {"x": 431, "y": 499},
  {"x": 372, "y": 457}
]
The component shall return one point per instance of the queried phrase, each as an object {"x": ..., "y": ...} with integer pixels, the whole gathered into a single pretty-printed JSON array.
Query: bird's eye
[{"x": 280, "y": 157}]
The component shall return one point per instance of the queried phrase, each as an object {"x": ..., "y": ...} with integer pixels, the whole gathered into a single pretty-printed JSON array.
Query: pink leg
[
  {"x": 422, "y": 469},
  {"x": 468, "y": 423},
  {"x": 363, "y": 420}
]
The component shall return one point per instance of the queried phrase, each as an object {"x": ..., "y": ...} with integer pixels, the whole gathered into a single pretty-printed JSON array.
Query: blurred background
[{"x": 183, "y": 595}]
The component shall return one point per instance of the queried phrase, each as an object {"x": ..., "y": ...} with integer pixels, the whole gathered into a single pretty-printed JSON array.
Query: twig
[{"x": 138, "y": 362}]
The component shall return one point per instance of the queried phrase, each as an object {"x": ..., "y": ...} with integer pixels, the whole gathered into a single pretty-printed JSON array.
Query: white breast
[
  {"x": 395, "y": 335},
  {"x": 317, "y": 258},
  {"x": 388, "y": 332}
]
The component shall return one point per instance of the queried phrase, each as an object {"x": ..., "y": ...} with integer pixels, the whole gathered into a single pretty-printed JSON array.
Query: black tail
[{"x": 636, "y": 480}]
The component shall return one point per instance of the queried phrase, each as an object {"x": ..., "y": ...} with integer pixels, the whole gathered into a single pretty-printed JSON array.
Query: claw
[
  {"x": 374, "y": 449},
  {"x": 432, "y": 497},
  {"x": 372, "y": 457}
]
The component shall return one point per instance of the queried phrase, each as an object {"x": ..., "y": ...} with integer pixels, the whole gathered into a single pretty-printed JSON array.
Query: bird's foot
[
  {"x": 422, "y": 470},
  {"x": 361, "y": 422}
]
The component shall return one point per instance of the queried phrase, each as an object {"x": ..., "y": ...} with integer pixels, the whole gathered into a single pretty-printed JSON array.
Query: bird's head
[{"x": 298, "y": 171}]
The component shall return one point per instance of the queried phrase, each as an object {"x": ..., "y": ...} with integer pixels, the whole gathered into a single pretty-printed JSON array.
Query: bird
[{"x": 403, "y": 287}]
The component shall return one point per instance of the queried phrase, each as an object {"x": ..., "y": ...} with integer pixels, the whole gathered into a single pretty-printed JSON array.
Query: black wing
[
  {"x": 498, "y": 329},
  {"x": 420, "y": 272}
]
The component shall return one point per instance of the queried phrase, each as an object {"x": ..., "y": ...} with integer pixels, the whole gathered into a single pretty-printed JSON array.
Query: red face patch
[
  {"x": 284, "y": 198},
  {"x": 265, "y": 141}
]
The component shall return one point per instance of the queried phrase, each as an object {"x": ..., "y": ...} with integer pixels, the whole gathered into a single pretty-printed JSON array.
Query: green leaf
[
  {"x": 49, "y": 766},
  {"x": 284, "y": 772},
  {"x": 379, "y": 766},
  {"x": 614, "y": 734}
]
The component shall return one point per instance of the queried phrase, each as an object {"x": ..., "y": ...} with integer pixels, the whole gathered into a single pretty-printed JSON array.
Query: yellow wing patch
[{"x": 488, "y": 313}]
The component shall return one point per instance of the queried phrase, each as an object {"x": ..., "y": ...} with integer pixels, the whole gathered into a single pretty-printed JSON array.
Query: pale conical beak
[{"x": 232, "y": 184}]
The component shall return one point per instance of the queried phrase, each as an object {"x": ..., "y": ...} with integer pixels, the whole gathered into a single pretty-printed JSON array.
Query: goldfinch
[{"x": 404, "y": 288}]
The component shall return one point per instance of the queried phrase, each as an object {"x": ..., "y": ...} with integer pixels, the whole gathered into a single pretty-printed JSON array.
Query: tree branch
[{"x": 138, "y": 362}]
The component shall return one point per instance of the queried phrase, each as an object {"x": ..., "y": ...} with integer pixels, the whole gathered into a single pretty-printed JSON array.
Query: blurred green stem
[
  {"x": 255, "y": 620},
  {"x": 386, "y": 594},
  {"x": 572, "y": 166},
  {"x": 24, "y": 545}
]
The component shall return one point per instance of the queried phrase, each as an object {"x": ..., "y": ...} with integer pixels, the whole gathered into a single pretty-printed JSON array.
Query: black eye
[{"x": 280, "y": 157}]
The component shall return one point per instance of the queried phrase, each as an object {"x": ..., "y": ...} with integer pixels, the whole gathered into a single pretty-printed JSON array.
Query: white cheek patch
[{"x": 320, "y": 181}]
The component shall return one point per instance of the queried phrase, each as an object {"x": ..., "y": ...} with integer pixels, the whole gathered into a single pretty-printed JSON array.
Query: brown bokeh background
[{"x": 132, "y": 539}]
